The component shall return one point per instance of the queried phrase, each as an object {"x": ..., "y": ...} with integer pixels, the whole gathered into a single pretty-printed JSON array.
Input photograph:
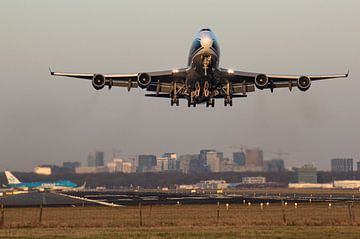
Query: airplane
[
  {"x": 13, "y": 182},
  {"x": 202, "y": 81}
]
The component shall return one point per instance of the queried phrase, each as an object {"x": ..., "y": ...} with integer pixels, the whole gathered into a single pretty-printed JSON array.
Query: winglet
[
  {"x": 51, "y": 72},
  {"x": 347, "y": 74}
]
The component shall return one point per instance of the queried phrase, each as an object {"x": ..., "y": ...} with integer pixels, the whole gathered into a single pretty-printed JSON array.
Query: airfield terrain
[{"x": 276, "y": 220}]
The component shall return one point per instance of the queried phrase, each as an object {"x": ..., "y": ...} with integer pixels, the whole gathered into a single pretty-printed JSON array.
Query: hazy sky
[{"x": 51, "y": 120}]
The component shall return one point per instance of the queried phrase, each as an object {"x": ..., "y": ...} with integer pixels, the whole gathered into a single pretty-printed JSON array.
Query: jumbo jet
[
  {"x": 13, "y": 182},
  {"x": 203, "y": 80}
]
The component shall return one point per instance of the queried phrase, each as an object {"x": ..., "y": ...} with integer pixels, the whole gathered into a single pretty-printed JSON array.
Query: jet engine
[
  {"x": 98, "y": 81},
  {"x": 304, "y": 83},
  {"x": 261, "y": 81},
  {"x": 144, "y": 80}
]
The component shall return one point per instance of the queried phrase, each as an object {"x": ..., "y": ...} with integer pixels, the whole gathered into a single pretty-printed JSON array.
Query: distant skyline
[{"x": 52, "y": 120}]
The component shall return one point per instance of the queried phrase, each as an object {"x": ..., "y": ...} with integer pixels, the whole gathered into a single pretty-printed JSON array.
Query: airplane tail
[
  {"x": 11, "y": 178},
  {"x": 82, "y": 186}
]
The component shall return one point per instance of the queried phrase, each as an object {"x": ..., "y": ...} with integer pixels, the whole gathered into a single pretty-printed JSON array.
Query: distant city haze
[{"x": 47, "y": 120}]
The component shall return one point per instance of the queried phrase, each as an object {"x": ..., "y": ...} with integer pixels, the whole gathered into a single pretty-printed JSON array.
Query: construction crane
[
  {"x": 279, "y": 153},
  {"x": 241, "y": 147}
]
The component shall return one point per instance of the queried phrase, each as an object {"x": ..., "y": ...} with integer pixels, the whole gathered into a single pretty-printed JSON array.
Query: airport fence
[{"x": 246, "y": 214}]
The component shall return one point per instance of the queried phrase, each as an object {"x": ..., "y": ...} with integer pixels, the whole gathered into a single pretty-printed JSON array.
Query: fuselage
[
  {"x": 204, "y": 44},
  {"x": 203, "y": 63},
  {"x": 45, "y": 185}
]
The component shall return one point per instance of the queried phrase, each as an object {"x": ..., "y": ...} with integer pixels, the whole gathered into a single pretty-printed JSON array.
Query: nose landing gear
[
  {"x": 206, "y": 61},
  {"x": 174, "y": 101}
]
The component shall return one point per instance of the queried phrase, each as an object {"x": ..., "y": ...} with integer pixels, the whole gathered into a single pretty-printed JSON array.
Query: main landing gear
[
  {"x": 210, "y": 102},
  {"x": 228, "y": 101},
  {"x": 175, "y": 101},
  {"x": 191, "y": 104}
]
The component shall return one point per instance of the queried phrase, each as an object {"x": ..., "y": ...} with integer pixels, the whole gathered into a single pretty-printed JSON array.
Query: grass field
[{"x": 308, "y": 220}]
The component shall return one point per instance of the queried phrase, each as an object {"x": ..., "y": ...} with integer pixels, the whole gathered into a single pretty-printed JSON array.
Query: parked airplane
[
  {"x": 202, "y": 80},
  {"x": 13, "y": 182}
]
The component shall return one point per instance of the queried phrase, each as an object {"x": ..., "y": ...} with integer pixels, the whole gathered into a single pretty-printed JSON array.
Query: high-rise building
[
  {"x": 274, "y": 165},
  {"x": 358, "y": 166},
  {"x": 146, "y": 163},
  {"x": 199, "y": 165},
  {"x": 172, "y": 161},
  {"x": 162, "y": 164},
  {"x": 254, "y": 158},
  {"x": 71, "y": 165},
  {"x": 115, "y": 166},
  {"x": 213, "y": 161},
  {"x": 203, "y": 153},
  {"x": 306, "y": 174},
  {"x": 342, "y": 165},
  {"x": 239, "y": 158},
  {"x": 96, "y": 159},
  {"x": 184, "y": 162}
]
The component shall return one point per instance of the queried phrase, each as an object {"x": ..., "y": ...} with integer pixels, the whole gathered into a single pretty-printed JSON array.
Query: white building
[
  {"x": 310, "y": 185},
  {"x": 213, "y": 160},
  {"x": 212, "y": 184},
  {"x": 254, "y": 180},
  {"x": 350, "y": 184},
  {"x": 115, "y": 166},
  {"x": 127, "y": 167},
  {"x": 43, "y": 170}
]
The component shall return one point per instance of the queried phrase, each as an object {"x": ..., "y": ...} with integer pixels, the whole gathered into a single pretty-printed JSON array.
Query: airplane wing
[
  {"x": 157, "y": 81},
  {"x": 243, "y": 82}
]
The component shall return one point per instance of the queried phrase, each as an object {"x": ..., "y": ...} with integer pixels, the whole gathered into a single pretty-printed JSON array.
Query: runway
[{"x": 124, "y": 198}]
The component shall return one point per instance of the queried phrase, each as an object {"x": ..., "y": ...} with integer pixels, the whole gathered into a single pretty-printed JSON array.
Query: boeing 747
[
  {"x": 202, "y": 81},
  {"x": 13, "y": 182}
]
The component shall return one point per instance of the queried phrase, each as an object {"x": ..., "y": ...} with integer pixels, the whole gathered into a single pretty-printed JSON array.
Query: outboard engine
[
  {"x": 98, "y": 81},
  {"x": 303, "y": 83},
  {"x": 261, "y": 81},
  {"x": 144, "y": 80}
]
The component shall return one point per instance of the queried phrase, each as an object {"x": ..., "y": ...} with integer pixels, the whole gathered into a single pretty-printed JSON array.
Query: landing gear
[
  {"x": 210, "y": 102},
  {"x": 228, "y": 101},
  {"x": 175, "y": 101},
  {"x": 191, "y": 102},
  {"x": 197, "y": 89},
  {"x": 206, "y": 60},
  {"x": 206, "y": 89}
]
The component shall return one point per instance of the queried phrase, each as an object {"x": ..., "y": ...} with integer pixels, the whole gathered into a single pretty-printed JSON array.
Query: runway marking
[{"x": 91, "y": 200}]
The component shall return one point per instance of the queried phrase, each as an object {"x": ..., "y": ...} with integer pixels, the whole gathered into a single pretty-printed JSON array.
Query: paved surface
[
  {"x": 34, "y": 199},
  {"x": 49, "y": 199}
]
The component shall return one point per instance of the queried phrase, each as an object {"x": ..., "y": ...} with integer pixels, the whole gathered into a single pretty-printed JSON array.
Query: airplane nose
[{"x": 206, "y": 42}]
